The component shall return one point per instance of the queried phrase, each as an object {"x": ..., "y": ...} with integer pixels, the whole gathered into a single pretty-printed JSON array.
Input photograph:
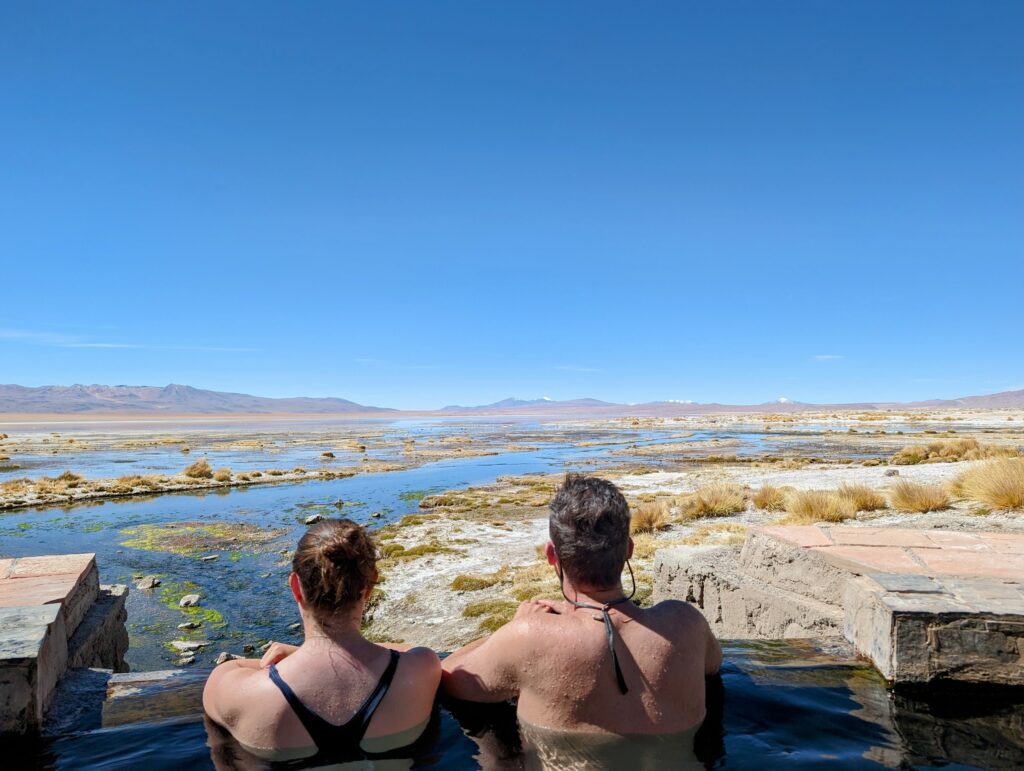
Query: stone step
[
  {"x": 738, "y": 605},
  {"x": 101, "y": 640},
  {"x": 68, "y": 580}
]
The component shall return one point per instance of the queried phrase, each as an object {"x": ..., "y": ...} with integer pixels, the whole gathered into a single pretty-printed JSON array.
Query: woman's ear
[
  {"x": 549, "y": 552},
  {"x": 629, "y": 551},
  {"x": 296, "y": 587}
]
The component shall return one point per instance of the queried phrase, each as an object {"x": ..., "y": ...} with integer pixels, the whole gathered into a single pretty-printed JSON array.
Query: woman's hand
[{"x": 277, "y": 652}]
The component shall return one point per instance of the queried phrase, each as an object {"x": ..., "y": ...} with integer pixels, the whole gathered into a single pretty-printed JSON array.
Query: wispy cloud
[
  {"x": 828, "y": 357},
  {"x": 573, "y": 368},
  {"x": 55, "y": 340}
]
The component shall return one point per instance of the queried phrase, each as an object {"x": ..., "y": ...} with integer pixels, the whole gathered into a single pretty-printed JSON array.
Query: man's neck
[{"x": 592, "y": 596}]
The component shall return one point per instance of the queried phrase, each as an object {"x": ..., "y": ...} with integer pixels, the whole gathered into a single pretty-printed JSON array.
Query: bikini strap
[
  {"x": 318, "y": 728},
  {"x": 365, "y": 713},
  {"x": 325, "y": 734}
]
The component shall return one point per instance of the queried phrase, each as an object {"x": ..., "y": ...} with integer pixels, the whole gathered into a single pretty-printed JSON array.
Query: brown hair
[
  {"x": 336, "y": 561},
  {"x": 589, "y": 527}
]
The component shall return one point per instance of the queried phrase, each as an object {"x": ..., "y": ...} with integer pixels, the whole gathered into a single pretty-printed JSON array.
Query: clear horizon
[{"x": 454, "y": 204}]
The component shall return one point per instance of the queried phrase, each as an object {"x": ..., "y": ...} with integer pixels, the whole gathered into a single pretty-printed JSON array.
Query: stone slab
[
  {"x": 865, "y": 550},
  {"x": 33, "y": 656},
  {"x": 69, "y": 580}
]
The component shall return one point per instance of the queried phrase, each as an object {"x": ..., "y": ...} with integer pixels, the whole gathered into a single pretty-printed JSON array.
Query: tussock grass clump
[
  {"x": 70, "y": 476},
  {"x": 716, "y": 500},
  {"x": 275, "y": 472},
  {"x": 462, "y": 583},
  {"x": 222, "y": 475},
  {"x": 862, "y": 497},
  {"x": 948, "y": 451},
  {"x": 809, "y": 506},
  {"x": 493, "y": 614},
  {"x": 199, "y": 470},
  {"x": 770, "y": 498},
  {"x": 649, "y": 518},
  {"x": 996, "y": 483},
  {"x": 910, "y": 496}
]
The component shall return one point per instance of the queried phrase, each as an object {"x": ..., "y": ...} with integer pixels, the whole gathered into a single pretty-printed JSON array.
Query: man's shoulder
[{"x": 679, "y": 612}]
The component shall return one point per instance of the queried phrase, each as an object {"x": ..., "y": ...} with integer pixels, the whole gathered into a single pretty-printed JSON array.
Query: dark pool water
[{"x": 776, "y": 704}]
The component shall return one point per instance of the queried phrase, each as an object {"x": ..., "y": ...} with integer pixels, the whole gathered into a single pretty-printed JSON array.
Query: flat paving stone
[{"x": 901, "y": 550}]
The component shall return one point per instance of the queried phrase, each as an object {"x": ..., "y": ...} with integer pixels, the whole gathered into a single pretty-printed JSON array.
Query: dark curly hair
[{"x": 589, "y": 527}]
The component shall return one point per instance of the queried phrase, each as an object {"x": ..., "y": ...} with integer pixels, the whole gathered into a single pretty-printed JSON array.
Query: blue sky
[{"x": 418, "y": 204}]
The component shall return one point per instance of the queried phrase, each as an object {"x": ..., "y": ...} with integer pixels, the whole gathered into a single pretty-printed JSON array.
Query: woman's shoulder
[{"x": 418, "y": 659}]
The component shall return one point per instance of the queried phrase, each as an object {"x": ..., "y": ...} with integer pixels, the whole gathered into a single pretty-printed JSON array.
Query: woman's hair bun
[{"x": 336, "y": 561}]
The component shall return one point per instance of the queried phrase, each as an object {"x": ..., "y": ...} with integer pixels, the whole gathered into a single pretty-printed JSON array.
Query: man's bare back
[{"x": 555, "y": 658}]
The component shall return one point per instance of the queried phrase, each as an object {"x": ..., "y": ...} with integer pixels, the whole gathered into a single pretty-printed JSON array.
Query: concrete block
[
  {"x": 33, "y": 656},
  {"x": 792, "y": 567},
  {"x": 736, "y": 605},
  {"x": 919, "y": 637}
]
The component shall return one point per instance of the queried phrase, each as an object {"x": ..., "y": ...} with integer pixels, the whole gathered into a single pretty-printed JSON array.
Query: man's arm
[{"x": 487, "y": 670}]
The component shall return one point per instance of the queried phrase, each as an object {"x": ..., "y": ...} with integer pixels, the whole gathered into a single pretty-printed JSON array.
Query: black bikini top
[{"x": 328, "y": 736}]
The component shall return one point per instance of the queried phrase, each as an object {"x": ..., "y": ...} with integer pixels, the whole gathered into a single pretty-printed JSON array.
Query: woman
[{"x": 338, "y": 696}]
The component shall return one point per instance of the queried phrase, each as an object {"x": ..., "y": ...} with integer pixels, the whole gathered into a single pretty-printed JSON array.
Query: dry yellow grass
[
  {"x": 910, "y": 496},
  {"x": 862, "y": 497},
  {"x": 649, "y": 517},
  {"x": 808, "y": 506},
  {"x": 996, "y": 483},
  {"x": 199, "y": 470},
  {"x": 770, "y": 498},
  {"x": 716, "y": 500},
  {"x": 721, "y": 532},
  {"x": 222, "y": 475},
  {"x": 948, "y": 451}
]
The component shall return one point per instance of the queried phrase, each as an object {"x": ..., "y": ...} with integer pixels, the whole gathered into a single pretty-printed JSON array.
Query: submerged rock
[
  {"x": 248, "y": 649},
  {"x": 147, "y": 582},
  {"x": 339, "y": 503},
  {"x": 189, "y": 601},
  {"x": 312, "y": 519},
  {"x": 296, "y": 627},
  {"x": 184, "y": 661},
  {"x": 377, "y": 514},
  {"x": 210, "y": 557},
  {"x": 190, "y": 625},
  {"x": 225, "y": 656},
  {"x": 189, "y": 646}
]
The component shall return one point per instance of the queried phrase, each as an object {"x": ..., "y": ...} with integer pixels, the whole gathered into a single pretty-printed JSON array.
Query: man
[{"x": 594, "y": 662}]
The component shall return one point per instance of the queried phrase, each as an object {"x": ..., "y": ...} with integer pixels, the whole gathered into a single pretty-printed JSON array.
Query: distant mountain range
[
  {"x": 1002, "y": 400},
  {"x": 171, "y": 399},
  {"x": 182, "y": 399}
]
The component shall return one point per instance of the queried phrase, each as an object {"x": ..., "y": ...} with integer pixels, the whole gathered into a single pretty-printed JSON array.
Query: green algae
[
  {"x": 170, "y": 595},
  {"x": 196, "y": 539}
]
